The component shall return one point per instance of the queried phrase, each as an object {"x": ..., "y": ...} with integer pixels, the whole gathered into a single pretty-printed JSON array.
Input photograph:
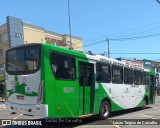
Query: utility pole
[
  {"x": 108, "y": 47},
  {"x": 69, "y": 24}
]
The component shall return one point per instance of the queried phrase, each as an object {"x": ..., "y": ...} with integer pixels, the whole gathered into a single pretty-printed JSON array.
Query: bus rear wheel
[{"x": 104, "y": 110}]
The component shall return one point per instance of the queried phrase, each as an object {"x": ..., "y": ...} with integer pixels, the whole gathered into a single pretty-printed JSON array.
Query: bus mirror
[{"x": 54, "y": 68}]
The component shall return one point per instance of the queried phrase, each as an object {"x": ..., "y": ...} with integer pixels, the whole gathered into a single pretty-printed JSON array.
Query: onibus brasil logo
[{"x": 20, "y": 122}]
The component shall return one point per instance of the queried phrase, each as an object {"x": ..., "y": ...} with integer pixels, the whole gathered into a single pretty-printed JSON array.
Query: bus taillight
[{"x": 40, "y": 92}]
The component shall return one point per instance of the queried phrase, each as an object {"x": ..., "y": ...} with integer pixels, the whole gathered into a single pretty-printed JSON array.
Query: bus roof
[{"x": 81, "y": 55}]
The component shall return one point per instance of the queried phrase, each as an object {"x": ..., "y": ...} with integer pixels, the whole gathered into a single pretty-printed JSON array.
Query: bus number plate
[{"x": 20, "y": 97}]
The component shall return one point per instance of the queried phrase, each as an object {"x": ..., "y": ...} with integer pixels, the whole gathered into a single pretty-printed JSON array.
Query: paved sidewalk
[
  {"x": 2, "y": 103},
  {"x": 2, "y": 100}
]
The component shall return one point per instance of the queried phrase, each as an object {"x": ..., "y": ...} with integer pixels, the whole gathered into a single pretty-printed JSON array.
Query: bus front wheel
[{"x": 104, "y": 110}]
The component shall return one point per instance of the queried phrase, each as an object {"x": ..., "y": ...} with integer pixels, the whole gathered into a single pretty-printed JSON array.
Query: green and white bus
[{"x": 51, "y": 81}]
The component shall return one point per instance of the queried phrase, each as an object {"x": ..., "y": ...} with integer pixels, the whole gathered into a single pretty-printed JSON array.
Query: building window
[
  {"x": 103, "y": 72},
  {"x": 128, "y": 76},
  {"x": 117, "y": 74},
  {"x": 137, "y": 77},
  {"x": 63, "y": 66}
]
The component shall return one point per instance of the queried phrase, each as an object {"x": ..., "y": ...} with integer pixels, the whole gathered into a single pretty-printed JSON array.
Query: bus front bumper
[{"x": 30, "y": 109}]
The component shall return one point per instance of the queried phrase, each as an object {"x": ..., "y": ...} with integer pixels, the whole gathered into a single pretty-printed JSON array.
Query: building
[{"x": 15, "y": 32}]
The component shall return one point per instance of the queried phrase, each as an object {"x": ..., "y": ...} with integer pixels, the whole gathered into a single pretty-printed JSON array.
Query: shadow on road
[{"x": 123, "y": 112}]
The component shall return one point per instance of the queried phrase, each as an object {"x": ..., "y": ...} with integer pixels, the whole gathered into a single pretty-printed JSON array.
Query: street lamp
[{"x": 69, "y": 24}]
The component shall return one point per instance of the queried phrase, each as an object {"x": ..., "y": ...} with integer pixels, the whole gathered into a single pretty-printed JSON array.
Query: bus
[
  {"x": 2, "y": 84},
  {"x": 51, "y": 81}
]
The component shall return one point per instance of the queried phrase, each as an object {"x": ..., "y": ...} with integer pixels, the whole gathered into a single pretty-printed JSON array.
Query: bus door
[
  {"x": 152, "y": 88},
  {"x": 87, "y": 87}
]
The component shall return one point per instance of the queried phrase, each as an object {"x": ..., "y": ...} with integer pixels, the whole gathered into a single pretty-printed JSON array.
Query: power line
[
  {"x": 123, "y": 39},
  {"x": 117, "y": 33},
  {"x": 141, "y": 32},
  {"x": 95, "y": 43},
  {"x": 136, "y": 37},
  {"x": 136, "y": 53}
]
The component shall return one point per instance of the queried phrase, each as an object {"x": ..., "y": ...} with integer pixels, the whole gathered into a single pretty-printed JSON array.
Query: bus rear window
[{"x": 23, "y": 60}]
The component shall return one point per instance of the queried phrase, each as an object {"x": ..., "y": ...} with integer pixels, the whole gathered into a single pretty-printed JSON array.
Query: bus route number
[{"x": 68, "y": 90}]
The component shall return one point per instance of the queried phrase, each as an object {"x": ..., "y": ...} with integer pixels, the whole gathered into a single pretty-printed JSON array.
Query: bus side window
[
  {"x": 98, "y": 72},
  {"x": 117, "y": 74},
  {"x": 128, "y": 76},
  {"x": 145, "y": 78},
  {"x": 103, "y": 73},
  {"x": 137, "y": 77}
]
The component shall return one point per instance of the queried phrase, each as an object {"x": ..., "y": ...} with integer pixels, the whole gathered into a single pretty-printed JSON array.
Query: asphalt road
[{"x": 123, "y": 119}]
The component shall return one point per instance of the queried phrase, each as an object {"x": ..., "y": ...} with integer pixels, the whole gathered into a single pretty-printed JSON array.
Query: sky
[{"x": 95, "y": 21}]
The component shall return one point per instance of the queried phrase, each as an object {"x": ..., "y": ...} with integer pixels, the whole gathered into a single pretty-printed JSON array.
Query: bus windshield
[{"x": 23, "y": 60}]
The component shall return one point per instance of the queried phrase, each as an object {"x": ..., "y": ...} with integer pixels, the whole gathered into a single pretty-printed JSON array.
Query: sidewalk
[
  {"x": 2, "y": 103},
  {"x": 2, "y": 100}
]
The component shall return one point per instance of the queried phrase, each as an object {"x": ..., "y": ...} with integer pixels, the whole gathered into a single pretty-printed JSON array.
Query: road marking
[
  {"x": 152, "y": 110},
  {"x": 18, "y": 116},
  {"x": 96, "y": 126},
  {"x": 2, "y": 106},
  {"x": 4, "y": 114},
  {"x": 147, "y": 116}
]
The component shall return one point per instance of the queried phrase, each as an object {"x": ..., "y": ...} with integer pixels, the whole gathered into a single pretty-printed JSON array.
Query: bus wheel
[
  {"x": 104, "y": 110},
  {"x": 144, "y": 104}
]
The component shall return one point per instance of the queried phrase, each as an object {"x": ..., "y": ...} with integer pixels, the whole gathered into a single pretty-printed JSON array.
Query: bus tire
[
  {"x": 144, "y": 106},
  {"x": 104, "y": 110}
]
